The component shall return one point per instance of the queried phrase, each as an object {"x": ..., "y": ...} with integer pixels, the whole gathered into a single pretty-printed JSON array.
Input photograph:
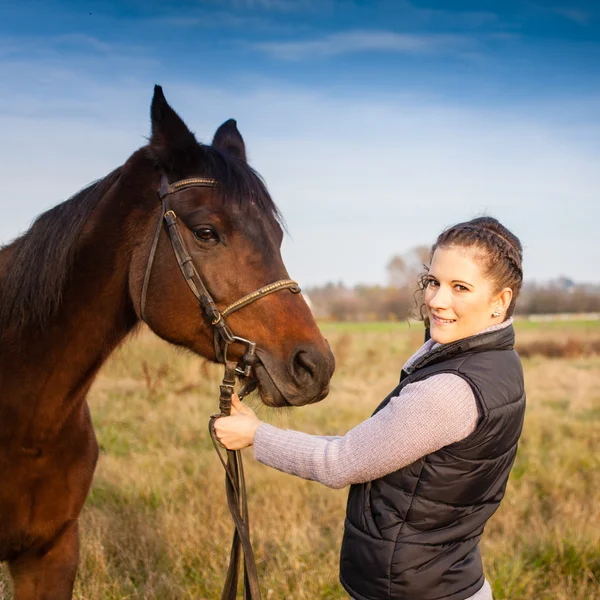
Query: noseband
[{"x": 223, "y": 338}]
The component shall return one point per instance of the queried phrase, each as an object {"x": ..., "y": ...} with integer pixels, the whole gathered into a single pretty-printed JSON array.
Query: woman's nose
[{"x": 441, "y": 299}]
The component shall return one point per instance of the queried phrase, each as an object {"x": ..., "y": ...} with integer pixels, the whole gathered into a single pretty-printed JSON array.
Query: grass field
[{"x": 156, "y": 524}]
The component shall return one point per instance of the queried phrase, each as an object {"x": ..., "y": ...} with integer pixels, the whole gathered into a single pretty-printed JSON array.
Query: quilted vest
[{"x": 414, "y": 534}]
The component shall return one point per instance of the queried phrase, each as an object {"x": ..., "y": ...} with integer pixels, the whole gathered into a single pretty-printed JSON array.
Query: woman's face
[{"x": 459, "y": 298}]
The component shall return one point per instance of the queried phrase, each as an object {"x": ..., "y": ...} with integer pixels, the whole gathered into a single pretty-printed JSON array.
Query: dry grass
[
  {"x": 571, "y": 347},
  {"x": 156, "y": 523}
]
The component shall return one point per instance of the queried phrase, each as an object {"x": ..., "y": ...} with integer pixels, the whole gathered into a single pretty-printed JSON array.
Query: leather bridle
[{"x": 223, "y": 338}]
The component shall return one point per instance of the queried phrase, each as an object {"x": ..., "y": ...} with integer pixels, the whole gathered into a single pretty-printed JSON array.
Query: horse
[{"x": 87, "y": 274}]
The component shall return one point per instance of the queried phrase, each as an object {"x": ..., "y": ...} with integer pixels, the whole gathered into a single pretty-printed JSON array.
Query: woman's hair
[{"x": 499, "y": 251}]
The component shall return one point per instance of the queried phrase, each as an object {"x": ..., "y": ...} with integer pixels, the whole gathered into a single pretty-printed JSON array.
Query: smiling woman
[
  {"x": 431, "y": 465},
  {"x": 474, "y": 278}
]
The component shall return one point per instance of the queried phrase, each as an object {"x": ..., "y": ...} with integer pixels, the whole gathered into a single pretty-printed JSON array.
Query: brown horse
[{"x": 71, "y": 291}]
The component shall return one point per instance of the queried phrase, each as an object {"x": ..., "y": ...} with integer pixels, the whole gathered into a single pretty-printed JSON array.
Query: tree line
[{"x": 400, "y": 298}]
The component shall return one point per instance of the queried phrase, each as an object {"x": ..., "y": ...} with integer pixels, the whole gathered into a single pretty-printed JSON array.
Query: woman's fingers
[
  {"x": 229, "y": 434},
  {"x": 239, "y": 406},
  {"x": 225, "y": 435},
  {"x": 237, "y": 403},
  {"x": 236, "y": 431},
  {"x": 221, "y": 429}
]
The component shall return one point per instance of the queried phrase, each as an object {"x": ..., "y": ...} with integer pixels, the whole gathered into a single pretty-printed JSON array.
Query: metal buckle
[{"x": 249, "y": 356}]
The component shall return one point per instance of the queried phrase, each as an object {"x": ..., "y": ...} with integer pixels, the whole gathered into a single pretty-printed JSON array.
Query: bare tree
[{"x": 403, "y": 270}]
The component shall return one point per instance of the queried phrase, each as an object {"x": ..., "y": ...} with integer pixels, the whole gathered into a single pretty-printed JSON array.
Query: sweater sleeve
[{"x": 424, "y": 417}]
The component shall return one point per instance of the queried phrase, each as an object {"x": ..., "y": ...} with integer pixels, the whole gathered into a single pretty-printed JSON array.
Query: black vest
[{"x": 414, "y": 534}]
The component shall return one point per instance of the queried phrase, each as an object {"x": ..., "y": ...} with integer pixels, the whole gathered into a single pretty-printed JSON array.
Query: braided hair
[{"x": 500, "y": 253}]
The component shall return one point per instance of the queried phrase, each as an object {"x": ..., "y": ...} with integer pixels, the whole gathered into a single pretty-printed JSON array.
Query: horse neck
[{"x": 47, "y": 372}]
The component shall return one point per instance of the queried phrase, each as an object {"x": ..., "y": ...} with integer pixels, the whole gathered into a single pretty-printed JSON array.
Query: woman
[{"x": 430, "y": 467}]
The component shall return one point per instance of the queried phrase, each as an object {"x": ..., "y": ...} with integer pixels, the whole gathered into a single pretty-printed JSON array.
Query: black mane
[{"x": 41, "y": 259}]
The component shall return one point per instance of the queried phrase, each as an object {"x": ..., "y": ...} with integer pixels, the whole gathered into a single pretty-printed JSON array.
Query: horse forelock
[{"x": 239, "y": 183}]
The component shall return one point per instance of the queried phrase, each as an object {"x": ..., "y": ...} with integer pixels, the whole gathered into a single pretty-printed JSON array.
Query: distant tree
[
  {"x": 396, "y": 269},
  {"x": 554, "y": 297},
  {"x": 404, "y": 269}
]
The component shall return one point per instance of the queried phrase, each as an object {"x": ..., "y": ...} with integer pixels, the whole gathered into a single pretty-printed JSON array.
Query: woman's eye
[
  {"x": 461, "y": 288},
  {"x": 431, "y": 282},
  {"x": 205, "y": 234}
]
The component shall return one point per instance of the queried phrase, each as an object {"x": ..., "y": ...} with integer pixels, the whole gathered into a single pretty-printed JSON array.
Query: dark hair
[
  {"x": 500, "y": 251},
  {"x": 40, "y": 261}
]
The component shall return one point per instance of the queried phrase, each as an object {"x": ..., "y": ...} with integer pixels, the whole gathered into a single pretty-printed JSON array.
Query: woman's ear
[{"x": 502, "y": 300}]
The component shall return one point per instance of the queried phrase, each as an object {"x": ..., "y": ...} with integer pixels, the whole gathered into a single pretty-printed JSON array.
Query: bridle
[{"x": 223, "y": 338}]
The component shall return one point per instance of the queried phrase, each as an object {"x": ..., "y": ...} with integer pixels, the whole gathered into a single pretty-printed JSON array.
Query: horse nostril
[{"x": 303, "y": 366}]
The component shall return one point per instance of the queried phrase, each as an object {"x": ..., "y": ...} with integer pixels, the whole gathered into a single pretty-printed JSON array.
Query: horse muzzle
[{"x": 304, "y": 379}]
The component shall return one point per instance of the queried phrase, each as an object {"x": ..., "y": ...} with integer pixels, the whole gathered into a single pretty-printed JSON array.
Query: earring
[{"x": 497, "y": 312}]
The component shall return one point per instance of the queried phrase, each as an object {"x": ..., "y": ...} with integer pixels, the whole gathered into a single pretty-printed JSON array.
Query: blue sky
[{"x": 375, "y": 124}]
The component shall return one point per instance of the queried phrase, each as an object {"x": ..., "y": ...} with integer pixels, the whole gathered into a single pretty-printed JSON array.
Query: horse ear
[
  {"x": 229, "y": 139},
  {"x": 170, "y": 135}
]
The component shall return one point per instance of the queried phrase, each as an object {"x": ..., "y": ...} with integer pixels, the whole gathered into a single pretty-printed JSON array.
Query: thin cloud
[
  {"x": 449, "y": 17},
  {"x": 82, "y": 40},
  {"x": 283, "y": 5},
  {"x": 220, "y": 20},
  {"x": 349, "y": 42},
  {"x": 68, "y": 49},
  {"x": 271, "y": 5},
  {"x": 573, "y": 14},
  {"x": 22, "y": 45}
]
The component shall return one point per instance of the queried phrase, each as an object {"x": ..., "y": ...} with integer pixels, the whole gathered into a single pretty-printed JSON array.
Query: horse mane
[{"x": 41, "y": 260}]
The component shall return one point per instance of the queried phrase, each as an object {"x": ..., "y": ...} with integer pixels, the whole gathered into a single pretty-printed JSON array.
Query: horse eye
[{"x": 205, "y": 234}]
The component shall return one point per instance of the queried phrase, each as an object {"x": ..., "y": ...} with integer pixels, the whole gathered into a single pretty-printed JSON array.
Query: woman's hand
[{"x": 237, "y": 431}]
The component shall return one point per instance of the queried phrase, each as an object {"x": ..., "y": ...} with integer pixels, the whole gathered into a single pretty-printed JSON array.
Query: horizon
[{"x": 374, "y": 124}]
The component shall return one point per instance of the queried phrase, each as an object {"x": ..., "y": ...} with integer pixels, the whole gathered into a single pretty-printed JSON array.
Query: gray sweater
[{"x": 425, "y": 417}]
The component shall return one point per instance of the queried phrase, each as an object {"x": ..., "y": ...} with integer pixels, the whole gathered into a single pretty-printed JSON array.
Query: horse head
[{"x": 231, "y": 232}]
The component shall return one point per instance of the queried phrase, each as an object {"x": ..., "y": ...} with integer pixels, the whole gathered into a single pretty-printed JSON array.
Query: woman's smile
[{"x": 440, "y": 321}]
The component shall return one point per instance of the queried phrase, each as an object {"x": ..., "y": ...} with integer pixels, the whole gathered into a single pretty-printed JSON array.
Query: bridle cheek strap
[{"x": 223, "y": 336}]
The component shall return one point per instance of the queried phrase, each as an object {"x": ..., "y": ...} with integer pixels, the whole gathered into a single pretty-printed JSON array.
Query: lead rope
[
  {"x": 235, "y": 484},
  {"x": 235, "y": 487}
]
